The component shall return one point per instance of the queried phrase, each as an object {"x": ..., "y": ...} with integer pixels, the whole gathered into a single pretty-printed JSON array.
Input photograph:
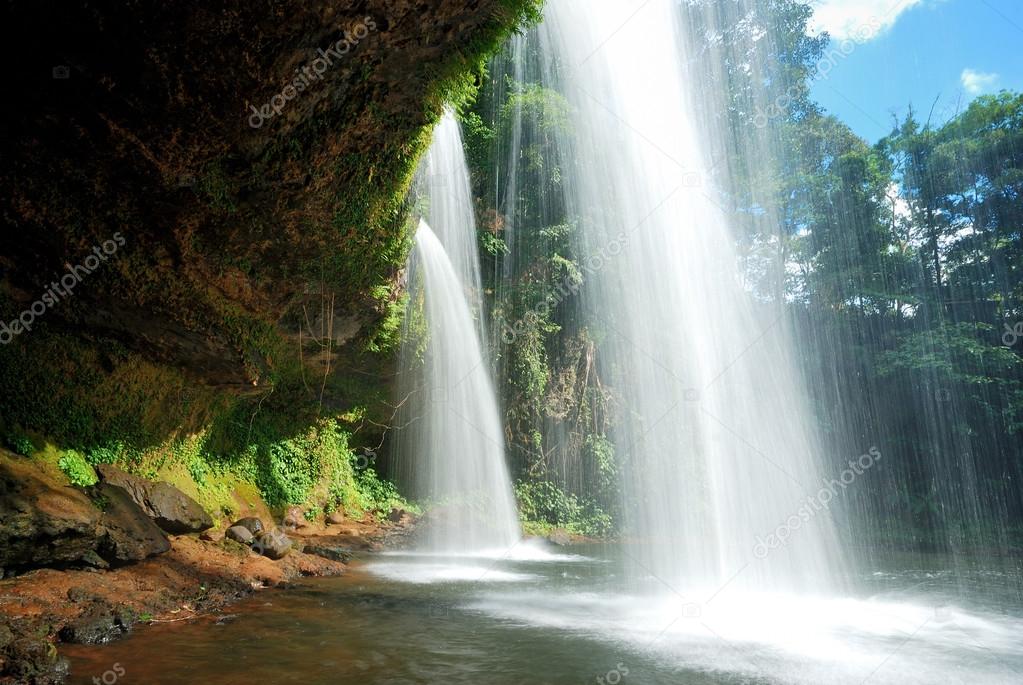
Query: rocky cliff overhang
[{"x": 201, "y": 180}]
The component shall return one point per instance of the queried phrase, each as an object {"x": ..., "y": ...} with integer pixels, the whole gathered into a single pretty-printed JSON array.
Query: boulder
[
  {"x": 171, "y": 509},
  {"x": 128, "y": 534},
  {"x": 176, "y": 512},
  {"x": 42, "y": 523},
  {"x": 332, "y": 552},
  {"x": 240, "y": 534},
  {"x": 35, "y": 660},
  {"x": 99, "y": 625},
  {"x": 250, "y": 523},
  {"x": 273, "y": 544}
]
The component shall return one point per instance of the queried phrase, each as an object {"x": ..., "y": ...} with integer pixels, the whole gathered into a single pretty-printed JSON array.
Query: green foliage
[
  {"x": 387, "y": 337},
  {"x": 77, "y": 469},
  {"x": 373, "y": 494},
  {"x": 544, "y": 504},
  {"x": 19, "y": 443},
  {"x": 492, "y": 245}
]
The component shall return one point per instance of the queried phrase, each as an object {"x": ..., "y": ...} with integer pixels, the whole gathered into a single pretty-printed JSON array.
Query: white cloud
[
  {"x": 977, "y": 82},
  {"x": 859, "y": 20}
]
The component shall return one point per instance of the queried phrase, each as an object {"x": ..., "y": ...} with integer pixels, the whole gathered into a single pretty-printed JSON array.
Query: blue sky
[{"x": 913, "y": 51}]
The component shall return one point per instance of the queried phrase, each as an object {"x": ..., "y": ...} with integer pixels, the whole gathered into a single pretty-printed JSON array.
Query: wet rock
[
  {"x": 273, "y": 544},
  {"x": 251, "y": 523},
  {"x": 97, "y": 626},
  {"x": 396, "y": 515},
  {"x": 35, "y": 660},
  {"x": 240, "y": 534},
  {"x": 129, "y": 535},
  {"x": 171, "y": 509},
  {"x": 332, "y": 552},
  {"x": 41, "y": 523}
]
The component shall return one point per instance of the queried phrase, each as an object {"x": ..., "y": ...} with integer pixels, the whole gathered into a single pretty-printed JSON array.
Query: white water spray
[
  {"x": 451, "y": 447},
  {"x": 715, "y": 442}
]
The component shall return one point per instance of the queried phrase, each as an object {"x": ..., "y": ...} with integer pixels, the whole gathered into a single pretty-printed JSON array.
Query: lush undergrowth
[
  {"x": 318, "y": 469},
  {"x": 544, "y": 507}
]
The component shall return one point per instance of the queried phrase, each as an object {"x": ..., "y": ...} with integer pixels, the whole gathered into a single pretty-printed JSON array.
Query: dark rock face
[
  {"x": 171, "y": 509},
  {"x": 98, "y": 626},
  {"x": 31, "y": 658},
  {"x": 220, "y": 223},
  {"x": 129, "y": 534},
  {"x": 42, "y": 525}
]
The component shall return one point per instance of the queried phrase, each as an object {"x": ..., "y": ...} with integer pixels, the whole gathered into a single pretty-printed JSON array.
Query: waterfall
[
  {"x": 450, "y": 444},
  {"x": 714, "y": 441},
  {"x": 443, "y": 181}
]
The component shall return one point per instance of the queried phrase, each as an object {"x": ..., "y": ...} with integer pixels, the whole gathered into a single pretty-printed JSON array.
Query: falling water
[
  {"x": 443, "y": 180},
  {"x": 714, "y": 438},
  {"x": 451, "y": 447}
]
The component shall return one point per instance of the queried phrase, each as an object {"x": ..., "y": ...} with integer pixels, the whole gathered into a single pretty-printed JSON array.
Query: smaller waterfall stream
[
  {"x": 451, "y": 447},
  {"x": 456, "y": 454}
]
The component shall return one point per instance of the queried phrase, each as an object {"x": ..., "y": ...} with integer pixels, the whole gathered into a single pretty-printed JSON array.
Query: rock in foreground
[{"x": 171, "y": 509}]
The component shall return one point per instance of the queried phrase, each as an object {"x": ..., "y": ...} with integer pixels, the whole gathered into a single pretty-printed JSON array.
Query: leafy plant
[{"x": 76, "y": 468}]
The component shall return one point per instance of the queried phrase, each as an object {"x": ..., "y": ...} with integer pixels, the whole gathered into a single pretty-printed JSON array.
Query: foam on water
[{"x": 786, "y": 638}]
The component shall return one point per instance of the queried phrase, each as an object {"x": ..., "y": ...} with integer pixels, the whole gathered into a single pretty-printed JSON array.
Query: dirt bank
[{"x": 43, "y": 608}]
